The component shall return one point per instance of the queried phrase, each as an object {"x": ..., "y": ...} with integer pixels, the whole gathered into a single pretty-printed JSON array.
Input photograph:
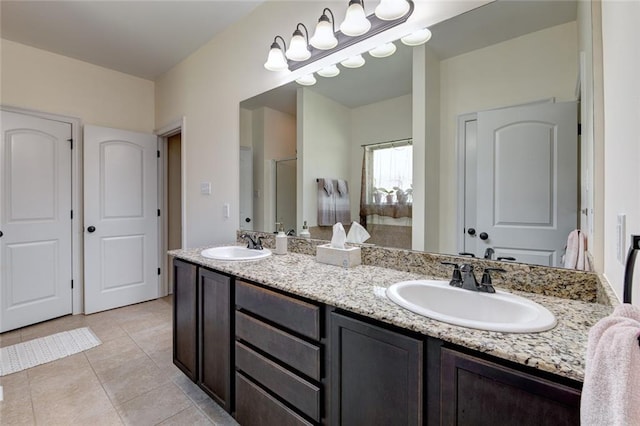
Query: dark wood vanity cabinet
[
  {"x": 215, "y": 295},
  {"x": 202, "y": 327},
  {"x": 278, "y": 360},
  {"x": 475, "y": 391},
  {"x": 377, "y": 375},
  {"x": 185, "y": 318},
  {"x": 273, "y": 358}
]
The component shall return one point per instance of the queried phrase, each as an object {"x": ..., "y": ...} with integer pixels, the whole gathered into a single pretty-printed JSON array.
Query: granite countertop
[{"x": 560, "y": 350}]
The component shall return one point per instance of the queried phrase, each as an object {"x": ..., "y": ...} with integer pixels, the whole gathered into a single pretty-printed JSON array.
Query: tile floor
[{"x": 129, "y": 379}]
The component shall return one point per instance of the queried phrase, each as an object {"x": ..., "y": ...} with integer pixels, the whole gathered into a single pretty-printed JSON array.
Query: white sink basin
[
  {"x": 235, "y": 253},
  {"x": 499, "y": 311}
]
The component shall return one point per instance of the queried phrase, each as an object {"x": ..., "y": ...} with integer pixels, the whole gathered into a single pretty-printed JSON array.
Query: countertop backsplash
[{"x": 556, "y": 282}]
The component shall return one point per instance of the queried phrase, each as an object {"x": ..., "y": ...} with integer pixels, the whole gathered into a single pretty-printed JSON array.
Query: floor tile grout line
[
  {"x": 33, "y": 409},
  {"x": 172, "y": 416},
  {"x": 105, "y": 391}
]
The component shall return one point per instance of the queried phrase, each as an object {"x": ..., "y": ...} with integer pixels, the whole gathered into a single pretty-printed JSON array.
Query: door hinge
[
  {"x": 158, "y": 212},
  {"x": 71, "y": 214},
  {"x": 158, "y": 153},
  {"x": 71, "y": 140},
  {"x": 158, "y": 271},
  {"x": 71, "y": 283},
  {"x": 579, "y": 129}
]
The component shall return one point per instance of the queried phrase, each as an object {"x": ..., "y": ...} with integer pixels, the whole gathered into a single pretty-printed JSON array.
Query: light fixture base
[{"x": 377, "y": 26}]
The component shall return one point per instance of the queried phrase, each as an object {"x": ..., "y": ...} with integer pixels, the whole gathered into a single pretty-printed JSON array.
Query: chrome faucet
[{"x": 251, "y": 243}]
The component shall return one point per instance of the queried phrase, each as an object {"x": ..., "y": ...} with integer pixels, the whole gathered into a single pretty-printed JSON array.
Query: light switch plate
[
  {"x": 226, "y": 208},
  {"x": 205, "y": 188},
  {"x": 621, "y": 225}
]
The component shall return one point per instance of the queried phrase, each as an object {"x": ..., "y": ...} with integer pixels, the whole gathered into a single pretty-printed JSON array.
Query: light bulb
[
  {"x": 353, "y": 62},
  {"x": 324, "y": 38},
  {"x": 330, "y": 71},
  {"x": 383, "y": 50},
  {"x": 276, "y": 60},
  {"x": 298, "y": 50},
  {"x": 307, "y": 80},
  {"x": 355, "y": 22},
  {"x": 417, "y": 38},
  {"x": 388, "y": 10}
]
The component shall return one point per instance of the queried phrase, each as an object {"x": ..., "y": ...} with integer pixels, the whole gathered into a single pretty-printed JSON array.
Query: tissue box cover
[{"x": 347, "y": 257}]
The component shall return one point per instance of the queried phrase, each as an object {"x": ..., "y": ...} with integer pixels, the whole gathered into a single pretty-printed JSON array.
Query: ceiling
[
  {"x": 141, "y": 38},
  {"x": 147, "y": 38},
  {"x": 391, "y": 77}
]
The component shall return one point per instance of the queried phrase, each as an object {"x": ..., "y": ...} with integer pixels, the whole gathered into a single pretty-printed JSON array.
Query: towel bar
[{"x": 628, "y": 270}]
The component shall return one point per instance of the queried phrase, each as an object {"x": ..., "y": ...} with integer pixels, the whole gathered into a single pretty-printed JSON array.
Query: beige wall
[
  {"x": 324, "y": 149},
  {"x": 621, "y": 62},
  {"x": 40, "y": 80},
  {"x": 536, "y": 66},
  {"x": 208, "y": 86}
]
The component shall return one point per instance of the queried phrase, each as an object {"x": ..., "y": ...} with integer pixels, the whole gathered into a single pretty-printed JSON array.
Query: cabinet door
[
  {"x": 215, "y": 336},
  {"x": 185, "y": 326},
  {"x": 479, "y": 392},
  {"x": 377, "y": 375}
]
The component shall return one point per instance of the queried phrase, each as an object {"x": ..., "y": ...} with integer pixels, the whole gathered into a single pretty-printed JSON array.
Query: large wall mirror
[{"x": 490, "y": 107}]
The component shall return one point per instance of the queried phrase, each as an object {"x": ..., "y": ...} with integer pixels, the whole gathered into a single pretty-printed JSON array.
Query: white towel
[
  {"x": 611, "y": 391},
  {"x": 327, "y": 184},
  {"x": 343, "y": 208},
  {"x": 343, "y": 187},
  {"x": 326, "y": 203},
  {"x": 575, "y": 256}
]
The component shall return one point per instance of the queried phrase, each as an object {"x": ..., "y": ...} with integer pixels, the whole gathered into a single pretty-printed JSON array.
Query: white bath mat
[{"x": 46, "y": 349}]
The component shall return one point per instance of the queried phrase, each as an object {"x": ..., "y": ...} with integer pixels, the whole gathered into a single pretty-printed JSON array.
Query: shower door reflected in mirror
[{"x": 286, "y": 171}]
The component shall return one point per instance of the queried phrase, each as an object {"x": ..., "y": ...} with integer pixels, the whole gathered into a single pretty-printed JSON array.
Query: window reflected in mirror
[{"x": 387, "y": 190}]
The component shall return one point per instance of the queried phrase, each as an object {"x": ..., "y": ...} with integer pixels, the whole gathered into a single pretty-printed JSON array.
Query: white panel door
[
  {"x": 35, "y": 220},
  {"x": 527, "y": 168},
  {"x": 120, "y": 218}
]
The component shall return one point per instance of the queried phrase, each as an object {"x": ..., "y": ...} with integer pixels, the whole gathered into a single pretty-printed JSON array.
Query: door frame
[
  {"x": 77, "y": 231},
  {"x": 461, "y": 145},
  {"x": 164, "y": 133}
]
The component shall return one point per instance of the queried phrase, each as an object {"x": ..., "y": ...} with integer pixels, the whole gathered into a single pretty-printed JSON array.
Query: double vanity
[{"x": 285, "y": 340}]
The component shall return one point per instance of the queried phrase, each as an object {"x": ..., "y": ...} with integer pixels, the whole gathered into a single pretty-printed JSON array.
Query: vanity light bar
[{"x": 377, "y": 26}]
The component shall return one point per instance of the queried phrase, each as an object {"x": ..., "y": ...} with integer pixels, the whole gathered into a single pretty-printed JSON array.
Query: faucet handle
[
  {"x": 258, "y": 244},
  {"x": 456, "y": 277},
  {"x": 486, "y": 275},
  {"x": 485, "y": 284}
]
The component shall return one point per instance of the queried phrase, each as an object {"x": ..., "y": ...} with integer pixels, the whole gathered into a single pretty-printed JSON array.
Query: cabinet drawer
[
  {"x": 297, "y": 353},
  {"x": 255, "y": 407},
  {"x": 294, "y": 314},
  {"x": 293, "y": 389}
]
